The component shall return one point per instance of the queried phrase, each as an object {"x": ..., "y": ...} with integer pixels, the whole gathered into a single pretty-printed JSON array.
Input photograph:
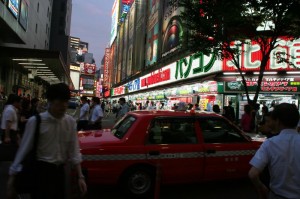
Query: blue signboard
[{"x": 134, "y": 85}]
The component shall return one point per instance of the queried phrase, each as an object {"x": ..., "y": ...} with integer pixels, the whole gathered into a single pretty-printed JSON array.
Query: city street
[{"x": 235, "y": 189}]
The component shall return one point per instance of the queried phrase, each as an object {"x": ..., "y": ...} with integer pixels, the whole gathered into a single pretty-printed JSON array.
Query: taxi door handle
[
  {"x": 209, "y": 151},
  {"x": 154, "y": 153}
]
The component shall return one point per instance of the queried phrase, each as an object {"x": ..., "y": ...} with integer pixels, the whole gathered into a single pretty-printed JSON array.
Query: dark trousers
[
  {"x": 95, "y": 126},
  {"x": 50, "y": 181},
  {"x": 82, "y": 125},
  {"x": 12, "y": 134}
]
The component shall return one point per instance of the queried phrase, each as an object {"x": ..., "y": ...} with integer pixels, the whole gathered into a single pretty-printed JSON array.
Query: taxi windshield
[{"x": 121, "y": 128}]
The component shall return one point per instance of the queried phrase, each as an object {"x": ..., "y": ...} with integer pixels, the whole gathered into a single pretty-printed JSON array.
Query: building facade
[
  {"x": 27, "y": 65},
  {"x": 167, "y": 73}
]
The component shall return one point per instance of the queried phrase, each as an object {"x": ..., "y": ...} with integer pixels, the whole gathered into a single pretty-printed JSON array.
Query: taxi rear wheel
[{"x": 138, "y": 182}]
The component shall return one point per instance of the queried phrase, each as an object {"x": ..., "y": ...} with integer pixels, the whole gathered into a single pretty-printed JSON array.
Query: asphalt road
[{"x": 234, "y": 189}]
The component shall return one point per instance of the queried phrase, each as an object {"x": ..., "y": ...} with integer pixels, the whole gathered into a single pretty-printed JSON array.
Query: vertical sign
[
  {"x": 131, "y": 28},
  {"x": 172, "y": 29},
  {"x": 140, "y": 32},
  {"x": 125, "y": 48},
  {"x": 106, "y": 67},
  {"x": 114, "y": 21},
  {"x": 153, "y": 31},
  {"x": 120, "y": 53}
]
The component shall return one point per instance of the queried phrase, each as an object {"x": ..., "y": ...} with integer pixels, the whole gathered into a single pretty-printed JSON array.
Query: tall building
[
  {"x": 82, "y": 68},
  {"x": 60, "y": 28},
  {"x": 168, "y": 73},
  {"x": 26, "y": 64}
]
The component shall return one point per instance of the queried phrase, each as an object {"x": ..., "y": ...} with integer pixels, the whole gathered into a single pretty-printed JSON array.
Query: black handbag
[{"x": 25, "y": 181}]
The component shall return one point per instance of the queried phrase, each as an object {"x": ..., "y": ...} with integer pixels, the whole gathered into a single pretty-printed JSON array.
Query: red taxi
[{"x": 172, "y": 147}]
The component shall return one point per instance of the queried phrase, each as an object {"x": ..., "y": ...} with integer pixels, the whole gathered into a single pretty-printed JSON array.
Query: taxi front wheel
[{"x": 138, "y": 182}]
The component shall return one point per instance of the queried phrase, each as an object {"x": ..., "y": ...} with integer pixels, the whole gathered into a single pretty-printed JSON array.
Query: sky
[{"x": 91, "y": 22}]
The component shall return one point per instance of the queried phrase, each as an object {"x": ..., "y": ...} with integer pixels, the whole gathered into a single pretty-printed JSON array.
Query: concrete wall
[{"x": 38, "y": 30}]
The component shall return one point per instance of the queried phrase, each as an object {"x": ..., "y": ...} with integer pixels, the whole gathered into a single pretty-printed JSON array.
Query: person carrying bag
[{"x": 52, "y": 148}]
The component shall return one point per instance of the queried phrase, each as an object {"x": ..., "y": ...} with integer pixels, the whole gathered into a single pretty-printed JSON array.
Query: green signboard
[{"x": 266, "y": 86}]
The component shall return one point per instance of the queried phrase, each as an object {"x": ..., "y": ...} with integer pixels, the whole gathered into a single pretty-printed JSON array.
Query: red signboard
[
  {"x": 106, "y": 67},
  {"x": 119, "y": 90},
  {"x": 250, "y": 59},
  {"x": 154, "y": 78},
  {"x": 88, "y": 69}
]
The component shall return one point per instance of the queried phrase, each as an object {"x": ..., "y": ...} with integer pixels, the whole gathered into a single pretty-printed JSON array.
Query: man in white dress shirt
[
  {"x": 96, "y": 115},
  {"x": 57, "y": 145},
  {"x": 9, "y": 122},
  {"x": 124, "y": 108},
  {"x": 84, "y": 114}
]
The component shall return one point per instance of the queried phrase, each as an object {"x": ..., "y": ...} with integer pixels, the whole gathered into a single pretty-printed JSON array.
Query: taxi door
[
  {"x": 227, "y": 152},
  {"x": 173, "y": 146}
]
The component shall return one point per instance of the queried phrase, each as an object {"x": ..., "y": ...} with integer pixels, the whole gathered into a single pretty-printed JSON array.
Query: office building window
[
  {"x": 36, "y": 27},
  {"x": 46, "y": 28},
  {"x": 48, "y": 12},
  {"x": 38, "y": 7}
]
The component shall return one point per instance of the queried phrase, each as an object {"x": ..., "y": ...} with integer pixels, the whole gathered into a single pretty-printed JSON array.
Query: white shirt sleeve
[{"x": 25, "y": 146}]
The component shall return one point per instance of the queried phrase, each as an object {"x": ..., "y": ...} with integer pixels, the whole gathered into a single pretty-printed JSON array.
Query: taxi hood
[{"x": 94, "y": 138}]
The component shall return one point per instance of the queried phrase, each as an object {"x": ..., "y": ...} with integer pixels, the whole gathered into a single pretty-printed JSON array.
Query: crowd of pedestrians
[{"x": 50, "y": 135}]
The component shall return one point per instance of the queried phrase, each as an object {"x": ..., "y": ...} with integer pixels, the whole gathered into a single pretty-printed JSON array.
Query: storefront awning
[{"x": 45, "y": 64}]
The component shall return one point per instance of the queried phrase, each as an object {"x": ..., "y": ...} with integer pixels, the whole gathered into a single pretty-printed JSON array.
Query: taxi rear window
[{"x": 123, "y": 126}]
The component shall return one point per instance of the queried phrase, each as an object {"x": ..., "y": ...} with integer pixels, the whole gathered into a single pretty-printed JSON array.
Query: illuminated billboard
[
  {"x": 140, "y": 35},
  {"x": 87, "y": 82},
  {"x": 172, "y": 30},
  {"x": 125, "y": 46},
  {"x": 131, "y": 29},
  {"x": 153, "y": 31},
  {"x": 88, "y": 69},
  {"x": 106, "y": 67},
  {"x": 114, "y": 21},
  {"x": 13, "y": 6}
]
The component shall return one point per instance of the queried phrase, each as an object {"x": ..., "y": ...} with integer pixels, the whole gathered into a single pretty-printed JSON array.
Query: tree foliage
[{"x": 216, "y": 24}]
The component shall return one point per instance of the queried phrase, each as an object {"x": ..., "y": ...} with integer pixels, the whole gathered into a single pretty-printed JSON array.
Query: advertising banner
[
  {"x": 13, "y": 6},
  {"x": 140, "y": 33},
  {"x": 251, "y": 56},
  {"x": 114, "y": 21},
  {"x": 172, "y": 29},
  {"x": 134, "y": 85},
  {"x": 106, "y": 66},
  {"x": 125, "y": 48},
  {"x": 269, "y": 84},
  {"x": 119, "y": 91},
  {"x": 131, "y": 39},
  {"x": 120, "y": 53},
  {"x": 24, "y": 14},
  {"x": 195, "y": 65},
  {"x": 153, "y": 32},
  {"x": 113, "y": 62},
  {"x": 87, "y": 82},
  {"x": 88, "y": 69}
]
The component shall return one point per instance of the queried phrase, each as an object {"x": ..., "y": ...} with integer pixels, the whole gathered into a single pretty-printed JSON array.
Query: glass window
[
  {"x": 218, "y": 130},
  {"x": 121, "y": 128},
  {"x": 172, "y": 131}
]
